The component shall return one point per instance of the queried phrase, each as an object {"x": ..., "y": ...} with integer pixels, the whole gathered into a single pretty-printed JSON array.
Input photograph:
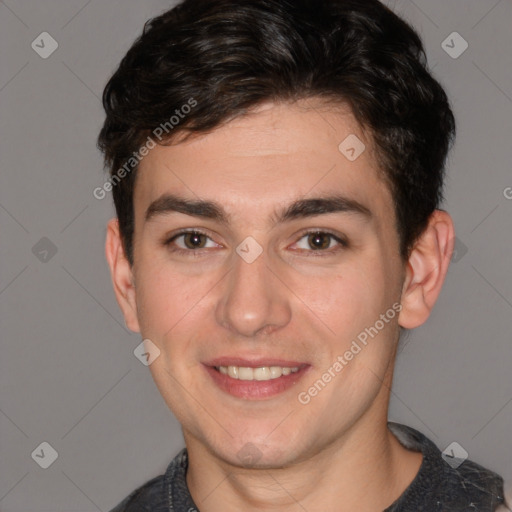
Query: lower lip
[{"x": 255, "y": 389}]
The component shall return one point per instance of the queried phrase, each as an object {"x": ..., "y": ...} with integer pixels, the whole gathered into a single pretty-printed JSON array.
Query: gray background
[{"x": 68, "y": 374}]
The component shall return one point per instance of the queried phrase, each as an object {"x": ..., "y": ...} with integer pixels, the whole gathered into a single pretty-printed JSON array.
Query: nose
[{"x": 254, "y": 300}]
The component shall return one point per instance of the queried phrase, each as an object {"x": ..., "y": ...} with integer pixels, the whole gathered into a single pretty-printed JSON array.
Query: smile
[
  {"x": 263, "y": 373},
  {"x": 257, "y": 382}
]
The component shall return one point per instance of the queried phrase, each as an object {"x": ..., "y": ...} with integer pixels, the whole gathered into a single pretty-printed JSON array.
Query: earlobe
[
  {"x": 122, "y": 275},
  {"x": 426, "y": 270}
]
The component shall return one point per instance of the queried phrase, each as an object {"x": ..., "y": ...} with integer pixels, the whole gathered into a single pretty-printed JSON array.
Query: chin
[
  {"x": 259, "y": 452},
  {"x": 250, "y": 456}
]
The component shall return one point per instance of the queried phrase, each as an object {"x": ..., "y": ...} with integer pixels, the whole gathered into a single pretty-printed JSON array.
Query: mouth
[{"x": 255, "y": 380}]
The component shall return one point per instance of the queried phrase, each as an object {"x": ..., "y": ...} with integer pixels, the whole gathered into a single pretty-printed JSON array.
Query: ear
[
  {"x": 426, "y": 270},
  {"x": 122, "y": 275}
]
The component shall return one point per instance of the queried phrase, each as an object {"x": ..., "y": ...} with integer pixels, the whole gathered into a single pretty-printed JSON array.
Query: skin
[{"x": 335, "y": 453}]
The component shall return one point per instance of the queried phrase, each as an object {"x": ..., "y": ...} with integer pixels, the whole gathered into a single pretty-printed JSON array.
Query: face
[{"x": 261, "y": 247}]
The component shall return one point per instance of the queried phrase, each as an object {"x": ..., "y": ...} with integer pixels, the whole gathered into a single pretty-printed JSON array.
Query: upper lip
[{"x": 255, "y": 362}]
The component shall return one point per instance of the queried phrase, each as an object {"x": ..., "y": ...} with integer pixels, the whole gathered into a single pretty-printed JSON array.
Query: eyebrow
[{"x": 169, "y": 203}]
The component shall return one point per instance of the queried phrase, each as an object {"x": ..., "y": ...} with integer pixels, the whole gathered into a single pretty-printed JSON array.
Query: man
[{"x": 277, "y": 171}]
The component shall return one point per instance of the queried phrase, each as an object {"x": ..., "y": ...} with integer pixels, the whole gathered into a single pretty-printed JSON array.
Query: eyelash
[{"x": 318, "y": 253}]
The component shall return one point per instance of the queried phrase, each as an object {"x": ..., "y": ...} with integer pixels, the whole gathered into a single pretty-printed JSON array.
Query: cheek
[
  {"x": 164, "y": 299},
  {"x": 175, "y": 310},
  {"x": 346, "y": 299}
]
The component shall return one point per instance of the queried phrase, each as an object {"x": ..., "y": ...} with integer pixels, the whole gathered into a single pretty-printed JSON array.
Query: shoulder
[
  {"x": 445, "y": 482},
  {"x": 150, "y": 497},
  {"x": 154, "y": 495},
  {"x": 472, "y": 483}
]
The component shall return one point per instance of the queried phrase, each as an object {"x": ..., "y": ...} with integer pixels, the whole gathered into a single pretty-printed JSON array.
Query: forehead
[{"x": 274, "y": 154}]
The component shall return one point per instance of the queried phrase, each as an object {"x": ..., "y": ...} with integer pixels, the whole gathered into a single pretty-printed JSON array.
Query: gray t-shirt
[{"x": 438, "y": 487}]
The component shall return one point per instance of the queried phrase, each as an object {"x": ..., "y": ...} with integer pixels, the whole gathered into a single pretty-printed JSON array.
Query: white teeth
[
  {"x": 245, "y": 373},
  {"x": 262, "y": 373},
  {"x": 276, "y": 371}
]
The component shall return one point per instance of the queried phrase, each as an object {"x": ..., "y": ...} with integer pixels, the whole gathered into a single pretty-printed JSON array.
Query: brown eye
[
  {"x": 190, "y": 242},
  {"x": 194, "y": 240},
  {"x": 323, "y": 243},
  {"x": 319, "y": 240}
]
